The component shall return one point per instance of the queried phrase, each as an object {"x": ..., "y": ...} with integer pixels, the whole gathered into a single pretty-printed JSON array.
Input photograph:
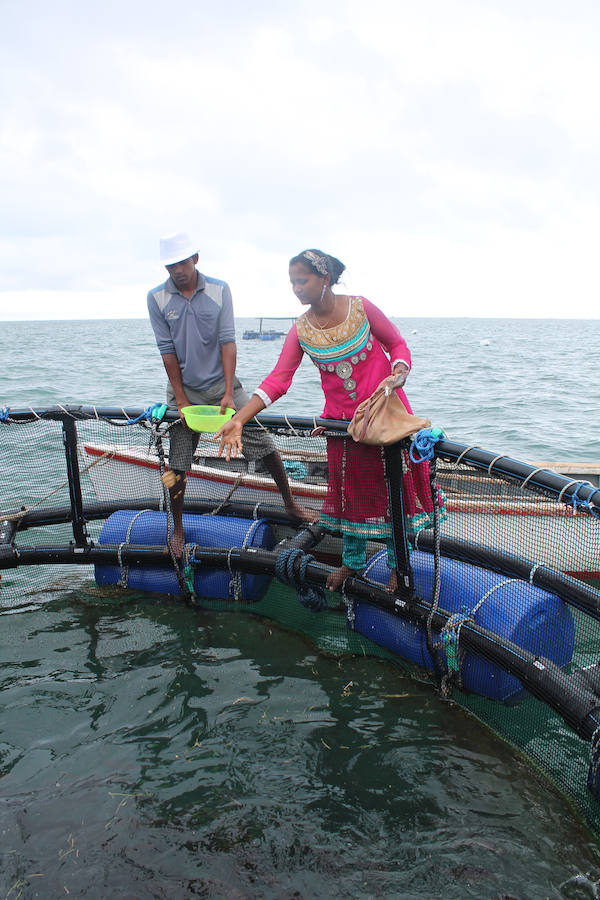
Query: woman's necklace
[{"x": 328, "y": 322}]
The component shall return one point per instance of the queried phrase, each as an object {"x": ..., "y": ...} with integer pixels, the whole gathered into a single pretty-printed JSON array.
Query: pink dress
[{"x": 353, "y": 358}]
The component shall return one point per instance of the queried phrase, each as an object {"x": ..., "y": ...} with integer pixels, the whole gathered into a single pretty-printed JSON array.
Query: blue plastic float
[
  {"x": 150, "y": 528},
  {"x": 510, "y": 608}
]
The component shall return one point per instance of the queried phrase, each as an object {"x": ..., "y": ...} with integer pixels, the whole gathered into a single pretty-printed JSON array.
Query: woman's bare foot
[
  {"x": 392, "y": 585},
  {"x": 337, "y": 577},
  {"x": 303, "y": 513}
]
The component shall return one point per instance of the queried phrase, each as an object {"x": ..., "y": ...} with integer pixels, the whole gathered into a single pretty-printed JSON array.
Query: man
[{"x": 192, "y": 318}]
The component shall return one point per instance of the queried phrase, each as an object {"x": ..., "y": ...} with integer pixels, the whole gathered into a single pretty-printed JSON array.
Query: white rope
[
  {"x": 490, "y": 592},
  {"x": 465, "y": 451},
  {"x": 123, "y": 581},
  {"x": 290, "y": 426},
  {"x": 570, "y": 484},
  {"x": 218, "y": 508},
  {"x": 23, "y": 512},
  {"x": 495, "y": 460},
  {"x": 373, "y": 562},
  {"x": 235, "y": 584},
  {"x": 531, "y": 474}
]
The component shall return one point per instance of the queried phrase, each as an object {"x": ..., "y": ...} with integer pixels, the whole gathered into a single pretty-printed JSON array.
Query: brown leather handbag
[{"x": 383, "y": 419}]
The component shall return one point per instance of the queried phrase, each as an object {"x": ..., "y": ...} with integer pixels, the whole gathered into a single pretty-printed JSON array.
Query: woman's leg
[{"x": 354, "y": 559}]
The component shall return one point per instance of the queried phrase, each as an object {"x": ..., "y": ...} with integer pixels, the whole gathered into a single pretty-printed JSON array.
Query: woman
[{"x": 356, "y": 349}]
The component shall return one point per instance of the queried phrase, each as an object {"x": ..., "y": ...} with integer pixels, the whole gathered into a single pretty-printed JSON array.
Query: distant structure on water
[{"x": 267, "y": 334}]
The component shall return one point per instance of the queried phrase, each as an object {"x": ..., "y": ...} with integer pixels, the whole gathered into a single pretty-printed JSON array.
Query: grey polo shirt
[{"x": 194, "y": 329}]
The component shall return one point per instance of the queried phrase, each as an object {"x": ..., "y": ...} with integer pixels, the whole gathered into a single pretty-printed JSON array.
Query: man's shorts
[{"x": 183, "y": 442}]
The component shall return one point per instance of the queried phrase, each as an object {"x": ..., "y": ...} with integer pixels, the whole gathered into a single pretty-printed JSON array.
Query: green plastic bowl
[{"x": 206, "y": 418}]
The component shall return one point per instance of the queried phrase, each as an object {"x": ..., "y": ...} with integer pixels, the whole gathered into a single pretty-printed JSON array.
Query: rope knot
[
  {"x": 579, "y": 503},
  {"x": 310, "y": 596},
  {"x": 423, "y": 443},
  {"x": 450, "y": 638}
]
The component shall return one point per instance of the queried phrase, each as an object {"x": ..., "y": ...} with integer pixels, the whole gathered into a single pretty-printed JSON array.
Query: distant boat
[
  {"x": 270, "y": 335},
  {"x": 266, "y": 334},
  {"x": 485, "y": 342}
]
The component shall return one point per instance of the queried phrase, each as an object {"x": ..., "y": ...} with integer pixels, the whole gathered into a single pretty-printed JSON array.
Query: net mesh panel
[
  {"x": 120, "y": 462},
  {"x": 498, "y": 513},
  {"x": 495, "y": 512}
]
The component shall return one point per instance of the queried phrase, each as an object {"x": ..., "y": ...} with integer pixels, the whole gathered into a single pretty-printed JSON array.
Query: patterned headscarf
[{"x": 318, "y": 262}]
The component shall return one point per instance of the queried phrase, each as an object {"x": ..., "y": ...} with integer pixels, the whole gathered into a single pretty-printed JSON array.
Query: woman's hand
[
  {"x": 394, "y": 381},
  {"x": 231, "y": 439},
  {"x": 400, "y": 372},
  {"x": 231, "y": 432}
]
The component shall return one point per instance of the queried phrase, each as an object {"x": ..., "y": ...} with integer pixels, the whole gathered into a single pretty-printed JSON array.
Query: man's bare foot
[
  {"x": 177, "y": 543},
  {"x": 337, "y": 577},
  {"x": 303, "y": 513},
  {"x": 392, "y": 585}
]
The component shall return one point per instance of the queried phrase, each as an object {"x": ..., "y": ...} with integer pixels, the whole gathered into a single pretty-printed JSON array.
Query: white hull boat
[{"x": 526, "y": 524}]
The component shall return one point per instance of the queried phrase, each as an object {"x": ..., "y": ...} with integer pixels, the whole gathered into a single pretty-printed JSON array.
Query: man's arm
[
  {"x": 171, "y": 364},
  {"x": 228, "y": 359}
]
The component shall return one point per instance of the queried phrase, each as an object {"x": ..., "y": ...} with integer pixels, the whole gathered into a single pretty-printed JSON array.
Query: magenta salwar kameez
[{"x": 353, "y": 358}]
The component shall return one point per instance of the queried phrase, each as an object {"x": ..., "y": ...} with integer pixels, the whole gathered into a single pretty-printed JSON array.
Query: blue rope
[
  {"x": 579, "y": 503},
  {"x": 424, "y": 441},
  {"x": 4, "y": 414},
  {"x": 449, "y": 639},
  {"x": 312, "y": 597},
  {"x": 295, "y": 469},
  {"x": 151, "y": 413}
]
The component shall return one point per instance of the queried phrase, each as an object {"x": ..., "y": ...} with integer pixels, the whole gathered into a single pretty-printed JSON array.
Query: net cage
[{"x": 497, "y": 601}]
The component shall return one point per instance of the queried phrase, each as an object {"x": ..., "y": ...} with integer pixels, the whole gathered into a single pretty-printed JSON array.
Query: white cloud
[{"x": 447, "y": 151}]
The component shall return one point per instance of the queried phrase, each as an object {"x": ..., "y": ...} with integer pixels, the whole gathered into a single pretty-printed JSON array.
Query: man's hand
[
  {"x": 227, "y": 402},
  {"x": 180, "y": 405}
]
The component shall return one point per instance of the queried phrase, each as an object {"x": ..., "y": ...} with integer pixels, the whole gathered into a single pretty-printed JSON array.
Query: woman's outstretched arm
[
  {"x": 231, "y": 432},
  {"x": 274, "y": 386}
]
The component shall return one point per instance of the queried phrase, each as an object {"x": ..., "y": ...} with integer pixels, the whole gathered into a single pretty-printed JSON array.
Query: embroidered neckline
[
  {"x": 325, "y": 332},
  {"x": 349, "y": 298}
]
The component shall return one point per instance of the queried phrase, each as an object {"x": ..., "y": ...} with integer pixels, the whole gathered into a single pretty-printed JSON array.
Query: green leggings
[{"x": 354, "y": 554}]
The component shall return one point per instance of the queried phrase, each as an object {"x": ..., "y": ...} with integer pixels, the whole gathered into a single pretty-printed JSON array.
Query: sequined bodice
[{"x": 339, "y": 350}]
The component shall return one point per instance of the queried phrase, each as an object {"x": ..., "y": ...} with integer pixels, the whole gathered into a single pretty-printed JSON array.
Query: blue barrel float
[
  {"x": 519, "y": 612},
  {"x": 149, "y": 527}
]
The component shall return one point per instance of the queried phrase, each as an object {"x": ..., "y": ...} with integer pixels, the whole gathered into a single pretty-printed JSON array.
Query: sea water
[{"x": 151, "y": 750}]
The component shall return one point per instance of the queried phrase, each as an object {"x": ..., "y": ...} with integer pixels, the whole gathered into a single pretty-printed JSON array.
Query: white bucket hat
[{"x": 176, "y": 247}]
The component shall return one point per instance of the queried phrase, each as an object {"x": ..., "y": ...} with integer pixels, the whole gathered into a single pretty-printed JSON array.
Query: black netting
[{"x": 505, "y": 617}]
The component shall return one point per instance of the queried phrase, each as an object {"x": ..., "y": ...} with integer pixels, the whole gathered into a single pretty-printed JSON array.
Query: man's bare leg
[
  {"x": 175, "y": 481},
  {"x": 275, "y": 466}
]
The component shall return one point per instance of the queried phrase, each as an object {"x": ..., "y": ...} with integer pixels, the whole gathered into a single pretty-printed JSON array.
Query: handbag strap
[
  {"x": 374, "y": 396},
  {"x": 377, "y": 393},
  {"x": 365, "y": 419}
]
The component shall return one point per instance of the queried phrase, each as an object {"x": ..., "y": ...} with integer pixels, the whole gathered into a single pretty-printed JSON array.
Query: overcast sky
[{"x": 448, "y": 151}]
